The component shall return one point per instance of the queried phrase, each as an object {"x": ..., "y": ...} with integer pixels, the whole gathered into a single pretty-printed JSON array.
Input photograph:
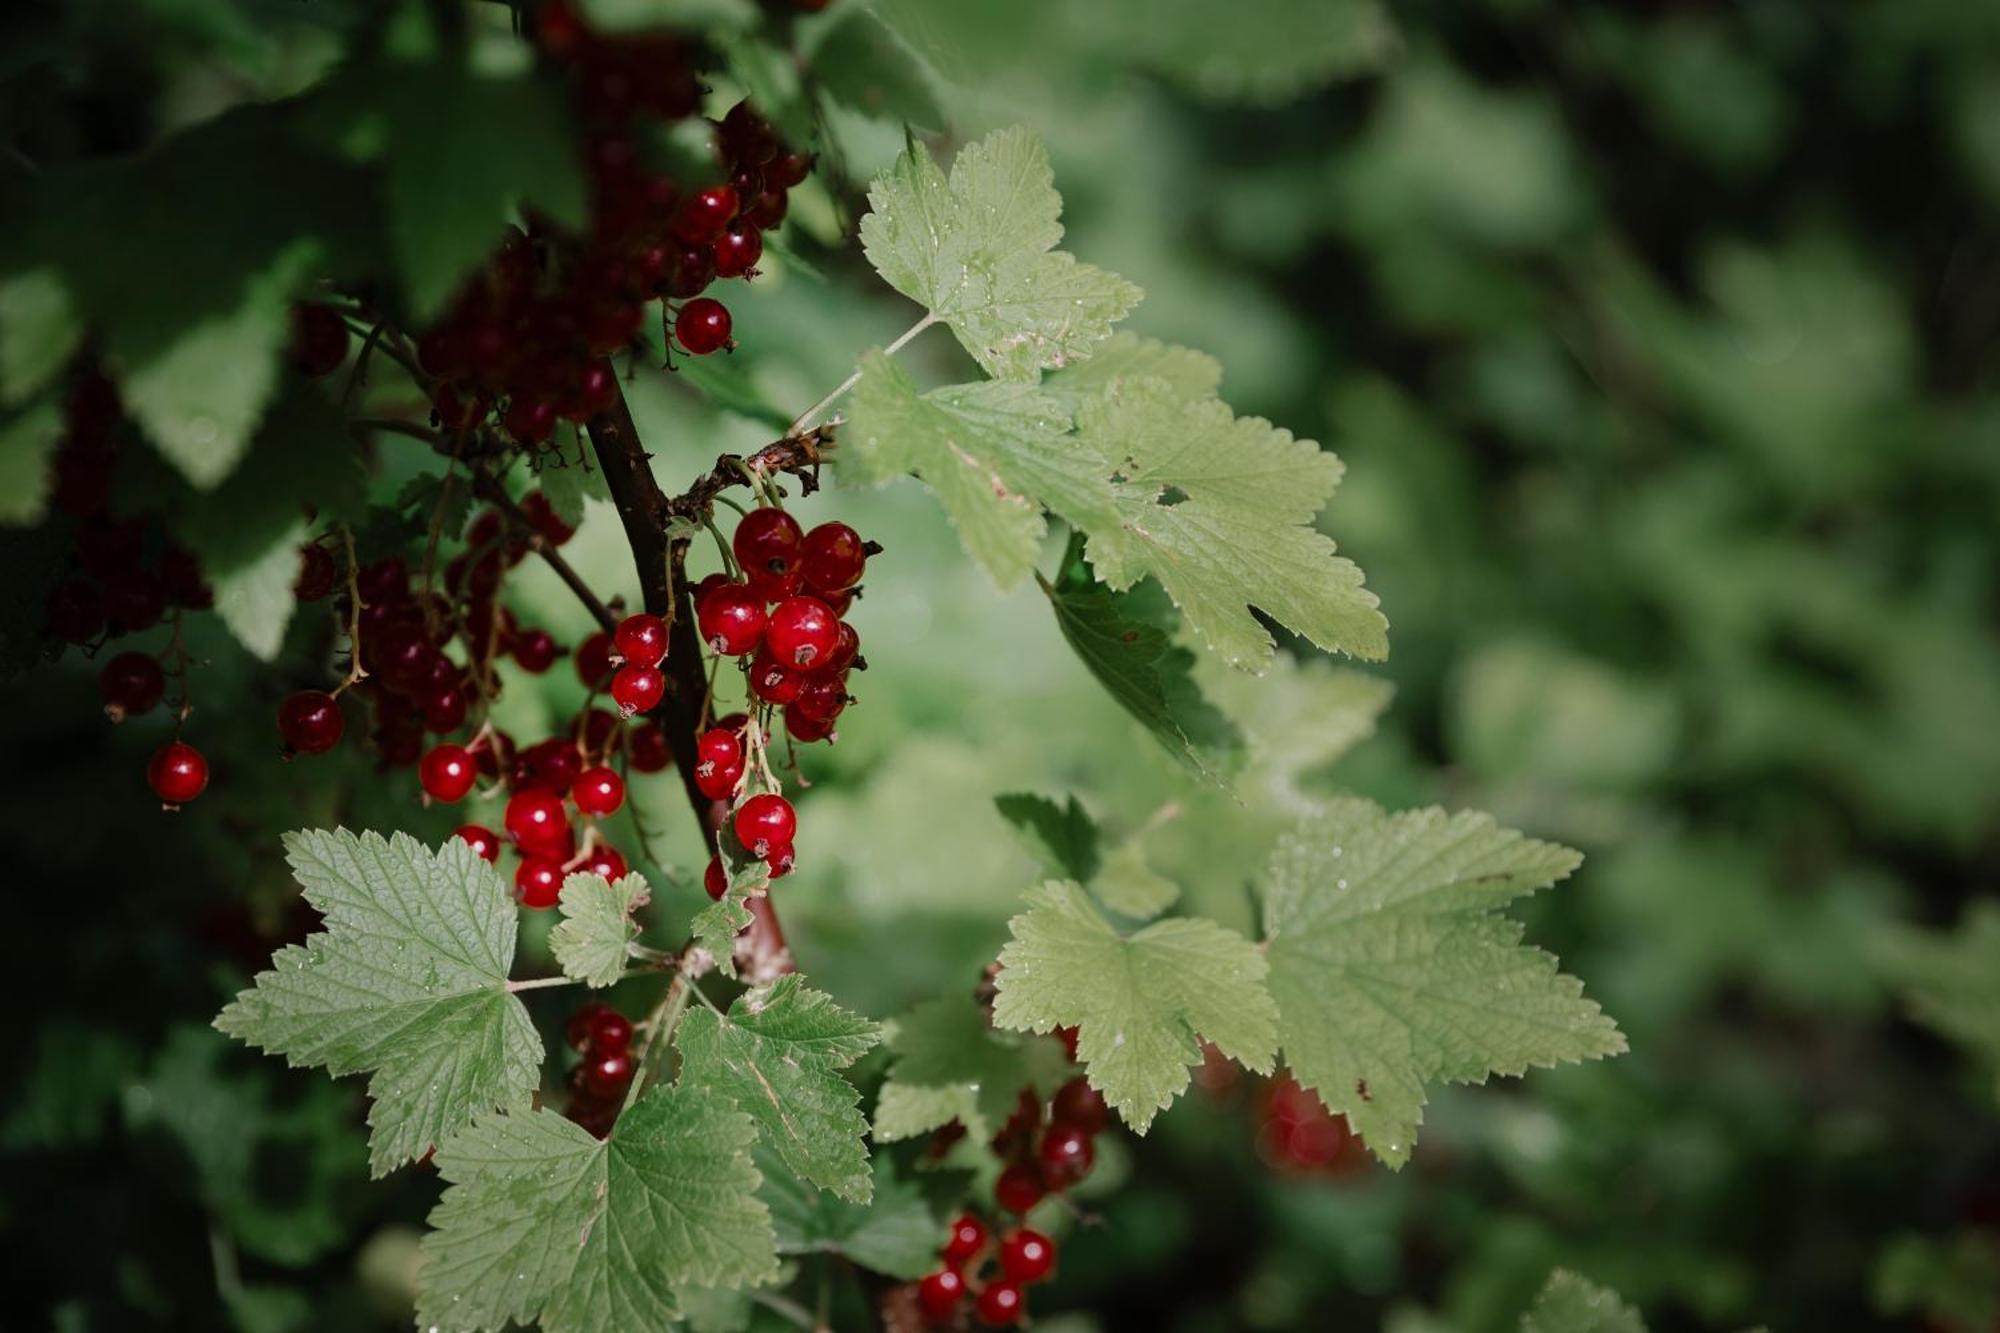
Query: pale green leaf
[
  {"x": 255, "y": 600},
  {"x": 1191, "y": 375},
  {"x": 946, "y": 1048},
  {"x": 1298, "y": 719},
  {"x": 778, "y": 1055},
  {"x": 1391, "y": 970},
  {"x": 905, "y": 1110},
  {"x": 1141, "y": 1005},
  {"x": 1952, "y": 982},
  {"x": 863, "y": 64},
  {"x": 28, "y": 442},
  {"x": 894, "y": 1232},
  {"x": 567, "y": 484},
  {"x": 1569, "y": 1304},
  {"x": 594, "y": 937},
  {"x": 408, "y": 981},
  {"x": 39, "y": 329},
  {"x": 1128, "y": 885},
  {"x": 716, "y": 926},
  {"x": 544, "y": 1222},
  {"x": 976, "y": 250},
  {"x": 1064, "y": 837}
]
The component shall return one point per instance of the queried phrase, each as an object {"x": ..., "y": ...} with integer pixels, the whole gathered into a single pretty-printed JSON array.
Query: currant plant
[{"x": 710, "y": 1129}]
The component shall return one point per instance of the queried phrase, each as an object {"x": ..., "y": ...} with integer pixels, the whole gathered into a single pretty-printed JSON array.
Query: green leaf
[
  {"x": 716, "y": 926},
  {"x": 1190, "y": 374},
  {"x": 1219, "y": 509},
  {"x": 905, "y": 1110},
  {"x": 1268, "y": 51},
  {"x": 995, "y": 454},
  {"x": 62, "y": 1097},
  {"x": 1140, "y": 1004},
  {"x": 712, "y": 15},
  {"x": 255, "y": 600},
  {"x": 1569, "y": 1304},
  {"x": 28, "y": 442},
  {"x": 543, "y": 1221},
  {"x": 1391, "y": 970},
  {"x": 568, "y": 483},
  {"x": 947, "y": 1056},
  {"x": 1299, "y": 718},
  {"x": 864, "y": 65},
  {"x": 1124, "y": 638},
  {"x": 778, "y": 1055},
  {"x": 977, "y": 252},
  {"x": 408, "y": 981},
  {"x": 895, "y": 1232},
  {"x": 1129, "y": 886},
  {"x": 594, "y": 937},
  {"x": 1952, "y": 982},
  {"x": 39, "y": 329},
  {"x": 1064, "y": 837},
  {"x": 421, "y": 496}
]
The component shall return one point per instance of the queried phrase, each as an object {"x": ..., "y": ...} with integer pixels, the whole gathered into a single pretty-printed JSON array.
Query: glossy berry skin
[
  {"x": 311, "y": 722},
  {"x": 702, "y": 325},
  {"x": 1019, "y": 1187},
  {"x": 638, "y": 689},
  {"x": 483, "y": 840},
  {"x": 319, "y": 339},
  {"x": 1000, "y": 1304},
  {"x": 131, "y": 684},
  {"x": 1077, "y": 1103},
  {"x": 702, "y": 216},
  {"x": 605, "y": 860},
  {"x": 538, "y": 882},
  {"x": 641, "y": 639},
  {"x": 317, "y": 572},
  {"x": 773, "y": 681},
  {"x": 715, "y": 879},
  {"x": 598, "y": 1027},
  {"x": 803, "y": 632},
  {"x": 968, "y": 1237},
  {"x": 598, "y": 791},
  {"x": 448, "y": 772},
  {"x": 607, "y": 1075},
  {"x": 939, "y": 1293},
  {"x": 765, "y": 822},
  {"x": 535, "y": 650},
  {"x": 737, "y": 250},
  {"x": 648, "y": 750},
  {"x": 593, "y": 661},
  {"x": 535, "y": 817},
  {"x": 833, "y": 557},
  {"x": 530, "y": 420},
  {"x": 767, "y": 541},
  {"x": 1065, "y": 1155},
  {"x": 731, "y": 619},
  {"x": 178, "y": 773},
  {"x": 803, "y": 729},
  {"x": 783, "y": 859},
  {"x": 719, "y": 763},
  {"x": 1026, "y": 1255},
  {"x": 821, "y": 697}
]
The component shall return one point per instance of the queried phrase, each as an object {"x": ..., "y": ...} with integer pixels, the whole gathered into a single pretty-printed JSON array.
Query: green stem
[{"x": 811, "y": 414}]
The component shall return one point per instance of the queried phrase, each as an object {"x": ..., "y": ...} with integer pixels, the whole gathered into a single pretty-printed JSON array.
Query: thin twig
[{"x": 804, "y": 418}]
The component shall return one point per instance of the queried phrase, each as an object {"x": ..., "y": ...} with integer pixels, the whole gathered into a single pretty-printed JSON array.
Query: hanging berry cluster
[
  {"x": 602, "y": 1039},
  {"x": 994, "y": 1276}
]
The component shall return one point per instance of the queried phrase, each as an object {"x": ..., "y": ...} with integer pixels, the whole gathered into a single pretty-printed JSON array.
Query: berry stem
[
  {"x": 356, "y": 673},
  {"x": 661, "y": 1022},
  {"x": 811, "y": 414},
  {"x": 789, "y": 1310}
]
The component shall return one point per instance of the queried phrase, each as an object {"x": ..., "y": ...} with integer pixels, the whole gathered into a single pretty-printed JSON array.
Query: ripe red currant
[
  {"x": 702, "y": 325},
  {"x": 967, "y": 1238},
  {"x": 310, "y": 722},
  {"x": 773, "y": 681},
  {"x": 593, "y": 661},
  {"x": 642, "y": 639},
  {"x": 319, "y": 339},
  {"x": 1077, "y": 1103},
  {"x": 803, "y": 729},
  {"x": 538, "y": 881},
  {"x": 598, "y": 791},
  {"x": 648, "y": 749},
  {"x": 719, "y": 763},
  {"x": 766, "y": 541},
  {"x": 1000, "y": 1304},
  {"x": 484, "y": 840},
  {"x": 802, "y": 632},
  {"x": 833, "y": 557},
  {"x": 737, "y": 250},
  {"x": 317, "y": 573},
  {"x": 1019, "y": 1187},
  {"x": 1066, "y": 1155},
  {"x": 731, "y": 619},
  {"x": 535, "y": 817},
  {"x": 448, "y": 772},
  {"x": 638, "y": 689},
  {"x": 530, "y": 420},
  {"x": 553, "y": 764},
  {"x": 821, "y": 697},
  {"x": 1026, "y": 1255},
  {"x": 608, "y": 1074},
  {"x": 535, "y": 650},
  {"x": 444, "y": 710},
  {"x": 598, "y": 1027},
  {"x": 606, "y": 861},
  {"x": 702, "y": 216},
  {"x": 177, "y": 773},
  {"x": 764, "y": 822},
  {"x": 939, "y": 1293},
  {"x": 782, "y": 859},
  {"x": 131, "y": 684},
  {"x": 715, "y": 879}
]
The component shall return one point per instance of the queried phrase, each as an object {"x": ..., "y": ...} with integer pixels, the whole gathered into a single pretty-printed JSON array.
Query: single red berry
[
  {"x": 594, "y": 666},
  {"x": 737, "y": 250},
  {"x": 484, "y": 840},
  {"x": 731, "y": 619},
  {"x": 767, "y": 210},
  {"x": 822, "y": 696},
  {"x": 702, "y": 326},
  {"x": 535, "y": 817},
  {"x": 939, "y": 1293},
  {"x": 832, "y": 557},
  {"x": 803, "y": 632},
  {"x": 1026, "y": 1255},
  {"x": 319, "y": 339},
  {"x": 582, "y": 1025},
  {"x": 530, "y": 420},
  {"x": 1019, "y": 1187},
  {"x": 641, "y": 639},
  {"x": 1068, "y": 1037},
  {"x": 538, "y": 881},
  {"x": 1077, "y": 1103},
  {"x": 773, "y": 681},
  {"x": 968, "y": 1236},
  {"x": 553, "y": 764},
  {"x": 1066, "y": 1155},
  {"x": 607, "y": 1075},
  {"x": 535, "y": 650},
  {"x": 131, "y": 684},
  {"x": 648, "y": 749},
  {"x": 1000, "y": 1304},
  {"x": 310, "y": 722},
  {"x": 845, "y": 649},
  {"x": 788, "y": 169},
  {"x": 767, "y": 541},
  {"x": 448, "y": 772},
  {"x": 598, "y": 791},
  {"x": 702, "y": 216},
  {"x": 782, "y": 859},
  {"x": 638, "y": 689},
  {"x": 718, "y": 762},
  {"x": 317, "y": 572},
  {"x": 605, "y": 860},
  {"x": 178, "y": 773},
  {"x": 803, "y": 729},
  {"x": 543, "y": 517},
  {"x": 764, "y": 822},
  {"x": 715, "y": 879},
  {"x": 444, "y": 710}
]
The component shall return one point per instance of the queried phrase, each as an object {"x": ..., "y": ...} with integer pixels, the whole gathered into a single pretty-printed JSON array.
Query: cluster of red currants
[
  {"x": 1045, "y": 1158},
  {"x": 1022, "y": 1257},
  {"x": 602, "y": 1037},
  {"x": 1297, "y": 1134}
]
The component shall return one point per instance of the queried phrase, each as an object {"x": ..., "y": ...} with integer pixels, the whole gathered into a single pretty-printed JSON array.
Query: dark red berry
[
  {"x": 702, "y": 325},
  {"x": 1077, "y": 1103},
  {"x": 767, "y": 211},
  {"x": 605, "y": 860},
  {"x": 641, "y": 639},
  {"x": 535, "y": 650},
  {"x": 731, "y": 619},
  {"x": 131, "y": 684},
  {"x": 788, "y": 169},
  {"x": 767, "y": 541},
  {"x": 821, "y": 697},
  {"x": 598, "y": 791},
  {"x": 582, "y": 1025},
  {"x": 535, "y": 817},
  {"x": 319, "y": 339},
  {"x": 177, "y": 773},
  {"x": 737, "y": 250},
  {"x": 845, "y": 649},
  {"x": 939, "y": 1293},
  {"x": 773, "y": 681},
  {"x": 763, "y": 822},
  {"x": 1000, "y": 1304},
  {"x": 832, "y": 557},
  {"x": 638, "y": 689},
  {"x": 648, "y": 749},
  {"x": 594, "y": 666},
  {"x": 448, "y": 772},
  {"x": 607, "y": 1075},
  {"x": 1026, "y": 1255},
  {"x": 715, "y": 879},
  {"x": 702, "y": 216},
  {"x": 782, "y": 859},
  {"x": 968, "y": 1236},
  {"x": 311, "y": 722},
  {"x": 802, "y": 632},
  {"x": 553, "y": 764},
  {"x": 1066, "y": 1155},
  {"x": 317, "y": 571},
  {"x": 543, "y": 517},
  {"x": 484, "y": 840},
  {"x": 1019, "y": 1187},
  {"x": 803, "y": 729},
  {"x": 530, "y": 420},
  {"x": 538, "y": 881},
  {"x": 444, "y": 710}
]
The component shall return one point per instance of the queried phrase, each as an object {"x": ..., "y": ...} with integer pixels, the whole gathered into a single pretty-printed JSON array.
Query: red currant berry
[
  {"x": 702, "y": 326},
  {"x": 1077, "y": 1103},
  {"x": 598, "y": 791},
  {"x": 538, "y": 882},
  {"x": 702, "y": 216},
  {"x": 535, "y": 817},
  {"x": 767, "y": 210},
  {"x": 737, "y": 250},
  {"x": 484, "y": 840},
  {"x": 939, "y": 1293},
  {"x": 319, "y": 339},
  {"x": 803, "y": 729},
  {"x": 782, "y": 860},
  {"x": 530, "y": 420},
  {"x": 1019, "y": 1187},
  {"x": 767, "y": 541},
  {"x": 131, "y": 684},
  {"x": 765, "y": 822},
  {"x": 638, "y": 689},
  {"x": 1000, "y": 1304},
  {"x": 448, "y": 772},
  {"x": 967, "y": 1238},
  {"x": 717, "y": 752},
  {"x": 535, "y": 650},
  {"x": 178, "y": 773},
  {"x": 553, "y": 764},
  {"x": 648, "y": 749},
  {"x": 317, "y": 573},
  {"x": 593, "y": 661},
  {"x": 833, "y": 557},
  {"x": 802, "y": 632},
  {"x": 772, "y": 681},
  {"x": 642, "y": 639},
  {"x": 845, "y": 649},
  {"x": 605, "y": 860},
  {"x": 543, "y": 517},
  {"x": 788, "y": 169},
  {"x": 582, "y": 1025},
  {"x": 608, "y": 1075},
  {"x": 311, "y": 722},
  {"x": 1065, "y": 1155},
  {"x": 715, "y": 879},
  {"x": 1026, "y": 1255},
  {"x": 821, "y": 697},
  {"x": 731, "y": 619},
  {"x": 444, "y": 710}
]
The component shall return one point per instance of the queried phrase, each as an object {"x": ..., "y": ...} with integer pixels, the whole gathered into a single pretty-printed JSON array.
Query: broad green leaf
[
  {"x": 1140, "y": 1004},
  {"x": 1219, "y": 509},
  {"x": 976, "y": 250},
  {"x": 541, "y": 1221},
  {"x": 948, "y": 1055},
  {"x": 1298, "y": 719},
  {"x": 895, "y": 1232},
  {"x": 1391, "y": 970},
  {"x": 716, "y": 926},
  {"x": 1064, "y": 837},
  {"x": 594, "y": 937},
  {"x": 995, "y": 453},
  {"x": 778, "y": 1055},
  {"x": 28, "y": 442},
  {"x": 1952, "y": 982},
  {"x": 1569, "y": 1304},
  {"x": 255, "y": 600},
  {"x": 567, "y": 484},
  {"x": 864, "y": 65},
  {"x": 1130, "y": 886},
  {"x": 39, "y": 329},
  {"x": 905, "y": 1110},
  {"x": 1191, "y": 375},
  {"x": 408, "y": 981}
]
